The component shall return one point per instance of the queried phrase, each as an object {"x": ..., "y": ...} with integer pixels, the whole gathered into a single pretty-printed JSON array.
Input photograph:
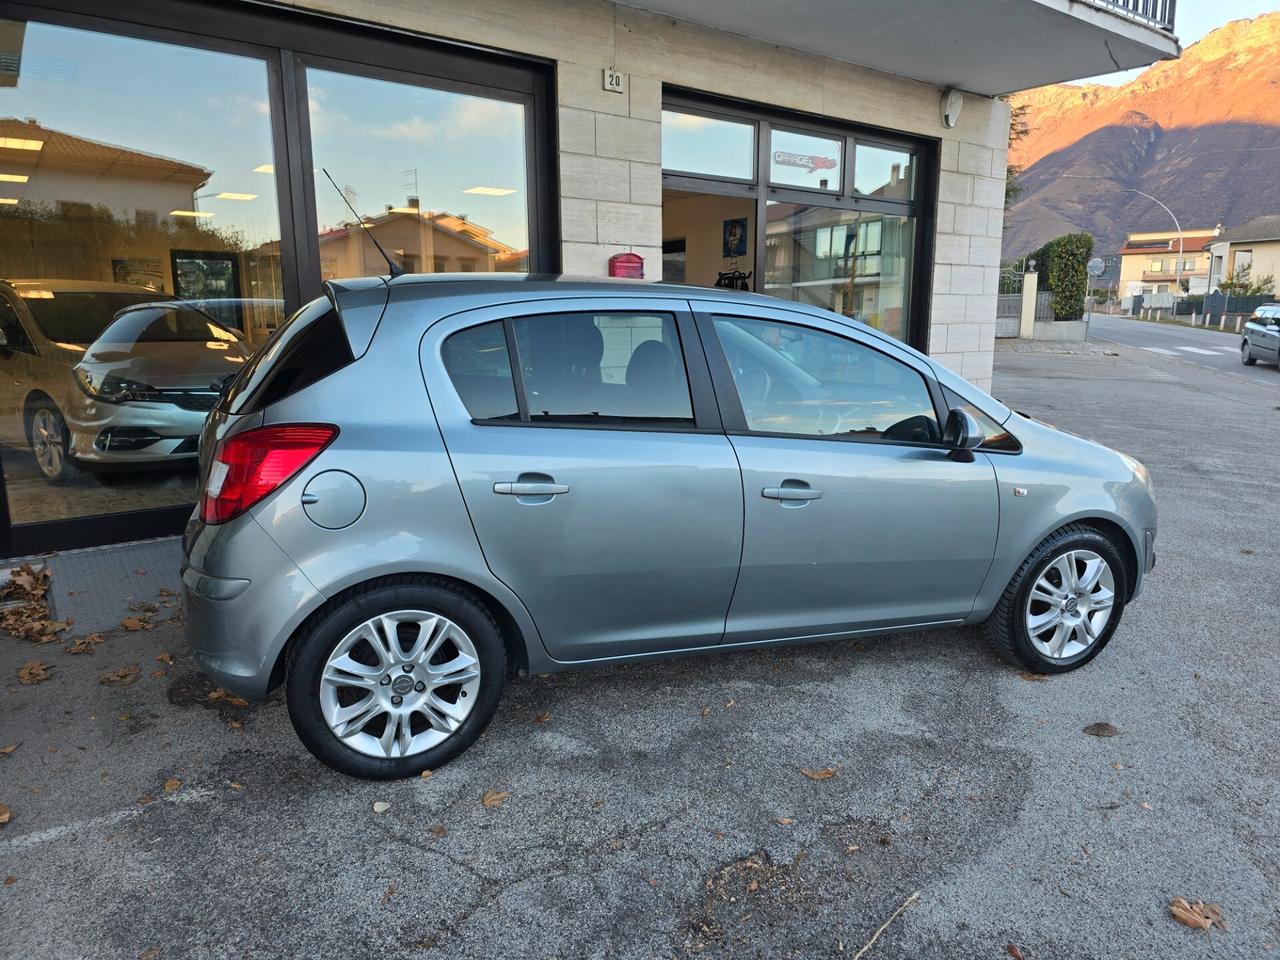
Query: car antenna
[{"x": 394, "y": 270}]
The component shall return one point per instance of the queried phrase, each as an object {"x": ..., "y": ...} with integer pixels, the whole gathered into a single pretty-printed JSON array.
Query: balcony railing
[{"x": 1157, "y": 13}]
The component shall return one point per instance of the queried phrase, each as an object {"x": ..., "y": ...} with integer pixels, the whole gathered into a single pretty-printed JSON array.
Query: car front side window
[{"x": 793, "y": 379}]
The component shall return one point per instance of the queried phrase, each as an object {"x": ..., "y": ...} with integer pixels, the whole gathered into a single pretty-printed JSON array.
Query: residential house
[
  {"x": 1252, "y": 248},
  {"x": 1162, "y": 262}
]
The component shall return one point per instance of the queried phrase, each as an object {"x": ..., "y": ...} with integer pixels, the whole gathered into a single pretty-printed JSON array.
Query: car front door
[
  {"x": 857, "y": 518},
  {"x": 601, "y": 486}
]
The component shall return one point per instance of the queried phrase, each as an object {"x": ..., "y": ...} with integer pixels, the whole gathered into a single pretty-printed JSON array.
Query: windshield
[
  {"x": 79, "y": 316},
  {"x": 167, "y": 323}
]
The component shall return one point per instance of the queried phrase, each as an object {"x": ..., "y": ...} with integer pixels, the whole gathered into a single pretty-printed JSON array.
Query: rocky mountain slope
[{"x": 1201, "y": 133}]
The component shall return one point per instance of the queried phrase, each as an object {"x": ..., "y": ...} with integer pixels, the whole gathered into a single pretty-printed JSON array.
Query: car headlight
[
  {"x": 1139, "y": 469},
  {"x": 109, "y": 387}
]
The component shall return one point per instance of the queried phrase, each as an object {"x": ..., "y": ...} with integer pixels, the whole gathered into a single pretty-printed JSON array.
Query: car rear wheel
[
  {"x": 1246, "y": 354},
  {"x": 399, "y": 676},
  {"x": 1064, "y": 603},
  {"x": 50, "y": 441}
]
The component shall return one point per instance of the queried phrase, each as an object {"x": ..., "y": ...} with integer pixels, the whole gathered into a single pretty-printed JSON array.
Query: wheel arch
[
  {"x": 29, "y": 408},
  {"x": 514, "y": 638}
]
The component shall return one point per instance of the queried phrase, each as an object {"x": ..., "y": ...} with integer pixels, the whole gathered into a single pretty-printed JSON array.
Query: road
[
  {"x": 1205, "y": 348},
  {"x": 660, "y": 810}
]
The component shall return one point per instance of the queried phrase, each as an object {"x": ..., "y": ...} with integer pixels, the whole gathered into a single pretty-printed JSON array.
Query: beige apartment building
[
  {"x": 1251, "y": 249},
  {"x": 851, "y": 156},
  {"x": 1164, "y": 262}
]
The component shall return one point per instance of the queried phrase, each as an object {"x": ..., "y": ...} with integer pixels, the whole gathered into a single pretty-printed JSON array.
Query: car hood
[{"x": 168, "y": 365}]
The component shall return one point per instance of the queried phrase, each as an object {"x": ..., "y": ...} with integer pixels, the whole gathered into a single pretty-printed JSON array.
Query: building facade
[
  {"x": 208, "y": 156},
  {"x": 1162, "y": 262},
  {"x": 1249, "y": 252}
]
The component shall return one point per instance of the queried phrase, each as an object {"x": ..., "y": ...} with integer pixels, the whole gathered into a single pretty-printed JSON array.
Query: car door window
[
  {"x": 480, "y": 368},
  {"x": 603, "y": 368},
  {"x": 793, "y": 379}
]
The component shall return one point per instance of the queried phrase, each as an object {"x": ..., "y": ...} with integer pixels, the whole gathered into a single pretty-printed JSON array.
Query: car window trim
[
  {"x": 702, "y": 397},
  {"x": 734, "y": 417}
]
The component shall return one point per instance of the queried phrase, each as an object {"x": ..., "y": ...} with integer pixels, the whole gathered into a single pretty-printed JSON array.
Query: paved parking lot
[{"x": 661, "y": 810}]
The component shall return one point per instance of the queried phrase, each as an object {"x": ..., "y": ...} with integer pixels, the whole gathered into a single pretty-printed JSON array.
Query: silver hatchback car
[{"x": 420, "y": 485}]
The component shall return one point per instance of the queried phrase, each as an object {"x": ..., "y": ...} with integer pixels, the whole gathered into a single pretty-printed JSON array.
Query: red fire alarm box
[{"x": 629, "y": 265}]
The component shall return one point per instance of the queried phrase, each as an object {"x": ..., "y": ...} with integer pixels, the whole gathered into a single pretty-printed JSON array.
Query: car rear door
[
  {"x": 599, "y": 481},
  {"x": 856, "y": 517}
]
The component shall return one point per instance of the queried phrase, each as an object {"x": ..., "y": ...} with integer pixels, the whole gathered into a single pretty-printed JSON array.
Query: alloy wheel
[
  {"x": 400, "y": 683},
  {"x": 1070, "y": 604},
  {"x": 47, "y": 441}
]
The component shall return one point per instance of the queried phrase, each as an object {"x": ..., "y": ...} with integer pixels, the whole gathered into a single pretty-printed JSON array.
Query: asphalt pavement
[
  {"x": 662, "y": 809},
  {"x": 1201, "y": 346}
]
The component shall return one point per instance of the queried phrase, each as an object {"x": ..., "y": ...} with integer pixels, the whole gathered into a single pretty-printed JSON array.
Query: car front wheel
[
  {"x": 1064, "y": 603},
  {"x": 1246, "y": 354},
  {"x": 50, "y": 441},
  {"x": 398, "y": 676}
]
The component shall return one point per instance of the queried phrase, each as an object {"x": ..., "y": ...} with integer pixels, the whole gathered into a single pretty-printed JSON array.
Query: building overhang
[{"x": 990, "y": 47}]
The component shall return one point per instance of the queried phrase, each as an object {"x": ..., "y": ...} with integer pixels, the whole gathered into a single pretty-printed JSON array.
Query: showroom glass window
[
  {"x": 131, "y": 172},
  {"x": 437, "y": 175}
]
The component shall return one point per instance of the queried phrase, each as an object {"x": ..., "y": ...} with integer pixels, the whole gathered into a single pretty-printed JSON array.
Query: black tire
[
  {"x": 68, "y": 470},
  {"x": 1246, "y": 354},
  {"x": 311, "y": 648},
  {"x": 1006, "y": 627}
]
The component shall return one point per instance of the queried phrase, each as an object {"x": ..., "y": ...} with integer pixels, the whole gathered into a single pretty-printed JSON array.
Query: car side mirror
[{"x": 963, "y": 435}]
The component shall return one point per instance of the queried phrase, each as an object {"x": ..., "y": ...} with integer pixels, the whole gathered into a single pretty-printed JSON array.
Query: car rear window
[{"x": 308, "y": 347}]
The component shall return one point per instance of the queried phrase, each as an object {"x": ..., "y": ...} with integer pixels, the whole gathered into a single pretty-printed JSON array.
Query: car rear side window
[
  {"x": 593, "y": 368},
  {"x": 480, "y": 368},
  {"x": 310, "y": 346}
]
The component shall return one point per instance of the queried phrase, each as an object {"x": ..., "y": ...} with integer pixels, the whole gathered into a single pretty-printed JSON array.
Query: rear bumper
[{"x": 243, "y": 598}]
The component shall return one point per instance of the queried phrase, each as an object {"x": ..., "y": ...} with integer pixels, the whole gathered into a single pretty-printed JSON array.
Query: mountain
[{"x": 1202, "y": 134}]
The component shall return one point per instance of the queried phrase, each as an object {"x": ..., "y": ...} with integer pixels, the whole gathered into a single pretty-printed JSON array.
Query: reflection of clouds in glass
[
  {"x": 685, "y": 121},
  {"x": 466, "y": 117},
  {"x": 324, "y": 118}
]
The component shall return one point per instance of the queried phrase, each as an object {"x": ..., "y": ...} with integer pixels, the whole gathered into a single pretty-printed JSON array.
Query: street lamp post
[{"x": 1177, "y": 266}]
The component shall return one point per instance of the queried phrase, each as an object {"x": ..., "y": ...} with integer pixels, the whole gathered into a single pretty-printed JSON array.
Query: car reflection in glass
[{"x": 116, "y": 376}]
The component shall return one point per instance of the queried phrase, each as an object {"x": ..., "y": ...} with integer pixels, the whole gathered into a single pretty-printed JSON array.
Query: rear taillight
[{"x": 248, "y": 466}]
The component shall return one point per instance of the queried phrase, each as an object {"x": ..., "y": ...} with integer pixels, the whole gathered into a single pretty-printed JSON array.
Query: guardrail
[{"x": 1156, "y": 13}]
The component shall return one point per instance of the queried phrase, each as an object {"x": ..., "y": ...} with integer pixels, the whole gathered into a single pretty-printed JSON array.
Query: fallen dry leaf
[
  {"x": 165, "y": 656},
  {"x": 706, "y": 711},
  {"x": 1102, "y": 729},
  {"x": 157, "y": 674},
  {"x": 439, "y": 832},
  {"x": 122, "y": 677},
  {"x": 149, "y": 954},
  {"x": 5, "y": 814},
  {"x": 389, "y": 892},
  {"x": 729, "y": 703},
  {"x": 1014, "y": 952},
  {"x": 235, "y": 724},
  {"x": 145, "y": 799},
  {"x": 493, "y": 798},
  {"x": 34, "y": 671},
  {"x": 172, "y": 784},
  {"x": 826, "y": 773},
  {"x": 426, "y": 774},
  {"x": 543, "y": 717},
  {"x": 381, "y": 806},
  {"x": 235, "y": 785},
  {"x": 8, "y": 749},
  {"x": 1198, "y": 915},
  {"x": 140, "y": 572},
  {"x": 1143, "y": 805},
  {"x": 1034, "y": 678},
  {"x": 132, "y": 623},
  {"x": 783, "y": 821},
  {"x": 10, "y": 880},
  {"x": 84, "y": 644}
]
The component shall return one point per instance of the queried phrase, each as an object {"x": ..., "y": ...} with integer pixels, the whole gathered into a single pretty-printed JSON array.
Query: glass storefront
[
  {"x": 827, "y": 216},
  {"x": 142, "y": 253}
]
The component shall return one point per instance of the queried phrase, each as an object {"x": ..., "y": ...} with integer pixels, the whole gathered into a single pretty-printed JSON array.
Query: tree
[
  {"x": 1019, "y": 130},
  {"x": 1063, "y": 268},
  {"x": 1240, "y": 283}
]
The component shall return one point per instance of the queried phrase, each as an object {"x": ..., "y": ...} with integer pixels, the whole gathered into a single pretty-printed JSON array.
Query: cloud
[{"x": 465, "y": 118}]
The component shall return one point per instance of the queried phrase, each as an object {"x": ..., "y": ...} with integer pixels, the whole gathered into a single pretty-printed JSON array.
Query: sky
[{"x": 1194, "y": 19}]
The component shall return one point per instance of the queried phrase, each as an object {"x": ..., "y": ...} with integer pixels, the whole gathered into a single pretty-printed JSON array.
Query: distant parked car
[
  {"x": 1261, "y": 339},
  {"x": 97, "y": 374},
  {"x": 417, "y": 484}
]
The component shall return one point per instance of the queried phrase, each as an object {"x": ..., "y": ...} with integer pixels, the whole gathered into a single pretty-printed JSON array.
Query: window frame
[
  {"x": 726, "y": 391},
  {"x": 702, "y": 397}
]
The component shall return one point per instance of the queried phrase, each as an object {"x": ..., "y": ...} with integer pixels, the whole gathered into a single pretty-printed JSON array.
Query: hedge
[{"x": 1063, "y": 267}]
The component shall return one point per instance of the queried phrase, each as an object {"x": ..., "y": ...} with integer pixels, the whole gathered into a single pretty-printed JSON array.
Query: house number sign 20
[{"x": 614, "y": 81}]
